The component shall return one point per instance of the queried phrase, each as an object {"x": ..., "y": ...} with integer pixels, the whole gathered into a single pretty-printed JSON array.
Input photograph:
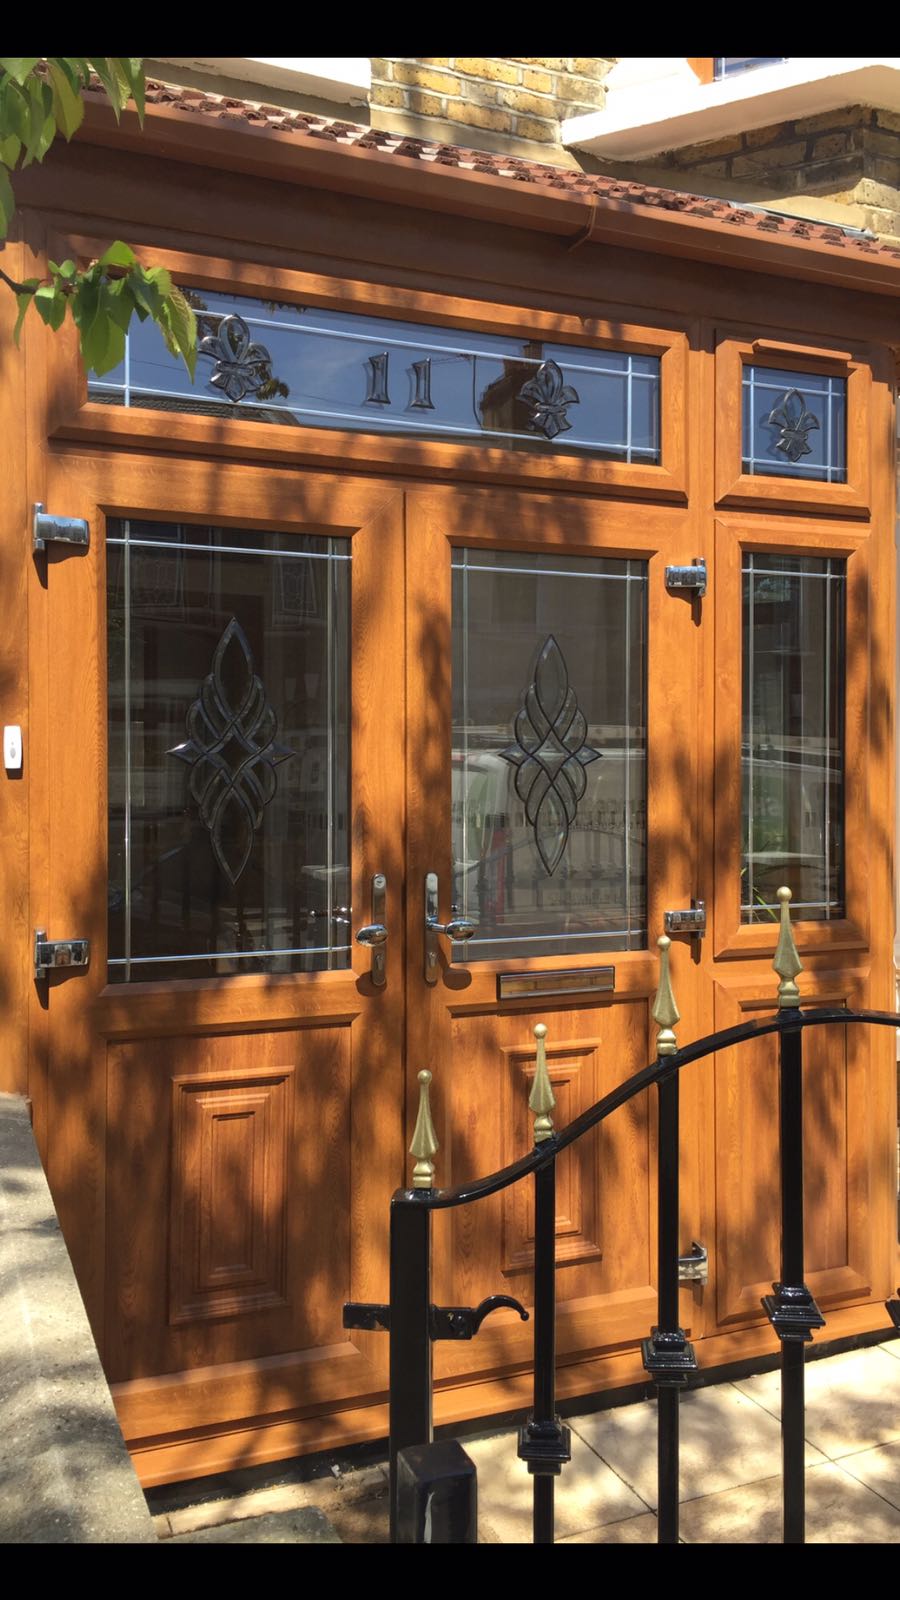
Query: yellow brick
[
  {"x": 527, "y": 102},
  {"x": 760, "y": 136},
  {"x": 569, "y": 88},
  {"x": 382, "y": 96},
  {"x": 830, "y": 144},
  {"x": 435, "y": 61},
  {"x": 427, "y": 105},
  {"x": 545, "y": 132},
  {"x": 541, "y": 81},
  {"x": 381, "y": 66},
  {"x": 422, "y": 77},
  {"x": 479, "y": 116},
  {"x": 591, "y": 66},
  {"x": 552, "y": 63},
  {"x": 845, "y": 117},
  {"x": 728, "y": 146},
  {"x": 486, "y": 67},
  {"x": 780, "y": 155}
]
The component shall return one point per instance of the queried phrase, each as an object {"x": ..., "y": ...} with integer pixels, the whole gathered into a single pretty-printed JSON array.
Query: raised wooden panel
[
  {"x": 229, "y": 1194},
  {"x": 573, "y": 1076},
  {"x": 251, "y": 1165},
  {"x": 836, "y": 1168}
]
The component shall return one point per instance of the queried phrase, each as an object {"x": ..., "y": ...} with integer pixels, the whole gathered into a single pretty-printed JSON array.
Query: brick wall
[
  {"x": 843, "y": 165},
  {"x": 497, "y": 102}
]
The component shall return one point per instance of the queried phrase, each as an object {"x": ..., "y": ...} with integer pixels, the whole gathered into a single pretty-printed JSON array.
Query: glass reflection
[
  {"x": 549, "y": 753},
  {"x": 228, "y": 752},
  {"x": 793, "y": 735}
]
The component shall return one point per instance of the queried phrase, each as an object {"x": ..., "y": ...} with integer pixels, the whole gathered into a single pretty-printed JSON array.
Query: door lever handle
[
  {"x": 456, "y": 928},
  {"x": 374, "y": 934}
]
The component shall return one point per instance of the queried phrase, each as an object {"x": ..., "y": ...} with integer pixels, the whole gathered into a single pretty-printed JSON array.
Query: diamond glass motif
[
  {"x": 232, "y": 752},
  {"x": 242, "y": 367},
  {"x": 550, "y": 755},
  {"x": 550, "y": 396}
]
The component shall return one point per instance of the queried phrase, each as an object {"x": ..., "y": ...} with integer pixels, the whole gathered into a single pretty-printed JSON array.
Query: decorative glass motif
[
  {"x": 550, "y": 754},
  {"x": 232, "y": 752},
  {"x": 550, "y": 395},
  {"x": 242, "y": 367},
  {"x": 796, "y": 424}
]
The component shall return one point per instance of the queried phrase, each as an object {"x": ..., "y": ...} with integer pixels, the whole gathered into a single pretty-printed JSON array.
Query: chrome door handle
[
  {"x": 456, "y": 928},
  {"x": 374, "y": 934}
]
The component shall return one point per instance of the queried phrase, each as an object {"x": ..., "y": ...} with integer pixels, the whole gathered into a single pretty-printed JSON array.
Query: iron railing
[{"x": 414, "y": 1323}]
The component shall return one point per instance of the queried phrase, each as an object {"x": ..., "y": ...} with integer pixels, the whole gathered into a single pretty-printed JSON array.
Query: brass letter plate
[{"x": 522, "y": 985}]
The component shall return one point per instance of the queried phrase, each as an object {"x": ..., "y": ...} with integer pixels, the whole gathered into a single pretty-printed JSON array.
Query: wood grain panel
[
  {"x": 573, "y": 1071},
  {"x": 230, "y": 1154}
]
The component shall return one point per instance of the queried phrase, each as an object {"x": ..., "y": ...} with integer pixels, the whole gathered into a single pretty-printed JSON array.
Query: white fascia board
[
  {"x": 346, "y": 79},
  {"x": 645, "y": 117}
]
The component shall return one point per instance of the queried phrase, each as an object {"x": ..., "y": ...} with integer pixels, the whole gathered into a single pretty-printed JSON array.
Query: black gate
[{"x": 414, "y": 1323}]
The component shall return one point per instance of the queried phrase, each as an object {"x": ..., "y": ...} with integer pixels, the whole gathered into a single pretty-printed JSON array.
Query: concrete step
[{"x": 303, "y": 1525}]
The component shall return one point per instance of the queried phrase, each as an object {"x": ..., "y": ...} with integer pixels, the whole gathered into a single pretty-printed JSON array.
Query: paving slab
[
  {"x": 634, "y": 1530},
  {"x": 852, "y": 1400},
  {"x": 305, "y": 1525},
  {"x": 879, "y": 1469},
  {"x": 726, "y": 1440},
  {"x": 588, "y": 1493},
  {"x": 839, "y": 1510},
  {"x": 332, "y": 1497}
]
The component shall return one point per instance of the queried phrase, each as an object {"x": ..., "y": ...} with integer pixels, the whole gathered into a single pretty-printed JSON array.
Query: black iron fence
[{"x": 432, "y": 1493}]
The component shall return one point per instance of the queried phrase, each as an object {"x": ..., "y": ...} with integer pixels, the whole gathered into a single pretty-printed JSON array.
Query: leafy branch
[{"x": 41, "y": 97}]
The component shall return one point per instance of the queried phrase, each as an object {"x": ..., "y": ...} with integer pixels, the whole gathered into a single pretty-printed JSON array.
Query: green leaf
[
  {"x": 9, "y": 150},
  {"x": 102, "y": 344},
  {"x": 147, "y": 297},
  {"x": 50, "y": 304},
  {"x": 68, "y": 106},
  {"x": 7, "y": 202},
  {"x": 118, "y": 255},
  {"x": 132, "y": 69},
  {"x": 23, "y": 301},
  {"x": 116, "y": 303},
  {"x": 16, "y": 112},
  {"x": 19, "y": 67},
  {"x": 66, "y": 270},
  {"x": 116, "y": 94},
  {"x": 160, "y": 277},
  {"x": 183, "y": 329}
]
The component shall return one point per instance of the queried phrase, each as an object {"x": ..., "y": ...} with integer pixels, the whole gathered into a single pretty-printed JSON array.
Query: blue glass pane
[
  {"x": 794, "y": 425},
  {"x": 305, "y": 366}
]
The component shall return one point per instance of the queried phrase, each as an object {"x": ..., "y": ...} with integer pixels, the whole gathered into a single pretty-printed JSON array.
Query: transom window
[{"x": 308, "y": 366}]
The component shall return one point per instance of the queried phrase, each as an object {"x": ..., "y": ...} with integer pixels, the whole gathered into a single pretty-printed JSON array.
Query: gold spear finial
[
  {"x": 424, "y": 1140},
  {"x": 787, "y": 963},
  {"x": 665, "y": 1011},
  {"x": 541, "y": 1099}
]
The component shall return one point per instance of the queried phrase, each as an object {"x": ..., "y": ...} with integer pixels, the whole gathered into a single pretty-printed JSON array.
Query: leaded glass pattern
[
  {"x": 229, "y": 751},
  {"x": 793, "y": 735},
  {"x": 794, "y": 424},
  {"x": 549, "y": 753},
  {"x": 307, "y": 366}
]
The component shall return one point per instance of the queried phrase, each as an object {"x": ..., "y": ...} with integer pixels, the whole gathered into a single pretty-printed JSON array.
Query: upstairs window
[{"x": 726, "y": 66}]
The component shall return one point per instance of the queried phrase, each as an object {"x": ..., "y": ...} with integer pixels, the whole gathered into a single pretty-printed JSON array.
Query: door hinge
[
  {"x": 694, "y": 1267},
  {"x": 692, "y": 922},
  {"x": 58, "y": 530},
  {"x": 692, "y": 577},
  {"x": 50, "y": 955}
]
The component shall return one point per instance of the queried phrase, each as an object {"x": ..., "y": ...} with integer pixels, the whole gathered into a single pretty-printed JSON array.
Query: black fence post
[
  {"x": 791, "y": 1308},
  {"x": 544, "y": 1442},
  {"x": 667, "y": 1355},
  {"x": 410, "y": 1335}
]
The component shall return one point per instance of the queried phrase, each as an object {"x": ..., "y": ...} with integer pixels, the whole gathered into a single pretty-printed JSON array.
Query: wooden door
[
  {"x": 542, "y": 646},
  {"x": 220, "y": 704}
]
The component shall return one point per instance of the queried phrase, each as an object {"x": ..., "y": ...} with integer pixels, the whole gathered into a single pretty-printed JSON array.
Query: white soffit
[
  {"x": 346, "y": 79},
  {"x": 665, "y": 107}
]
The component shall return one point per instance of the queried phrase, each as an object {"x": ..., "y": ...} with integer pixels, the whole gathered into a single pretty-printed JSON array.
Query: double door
[{"x": 343, "y": 780}]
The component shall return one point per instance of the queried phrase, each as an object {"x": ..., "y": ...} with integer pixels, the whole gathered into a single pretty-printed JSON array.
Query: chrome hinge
[
  {"x": 692, "y": 577},
  {"x": 692, "y": 922},
  {"x": 694, "y": 1268},
  {"x": 52, "y": 954},
  {"x": 59, "y": 530}
]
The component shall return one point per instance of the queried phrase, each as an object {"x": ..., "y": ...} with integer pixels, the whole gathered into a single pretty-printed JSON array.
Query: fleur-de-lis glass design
[
  {"x": 795, "y": 422},
  {"x": 550, "y": 396},
  {"x": 550, "y": 754},
  {"x": 242, "y": 367},
  {"x": 231, "y": 751}
]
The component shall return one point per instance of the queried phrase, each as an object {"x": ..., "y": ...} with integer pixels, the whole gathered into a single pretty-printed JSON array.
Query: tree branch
[{"x": 17, "y": 288}]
